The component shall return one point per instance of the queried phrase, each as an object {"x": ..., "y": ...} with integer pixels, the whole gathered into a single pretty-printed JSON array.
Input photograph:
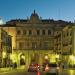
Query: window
[
  {"x": 49, "y": 32},
  {"x": 34, "y": 44},
  {"x": 30, "y": 32},
  {"x": 70, "y": 50},
  {"x": 21, "y": 45},
  {"x": 70, "y": 41},
  {"x": 64, "y": 35},
  {"x": 67, "y": 33},
  {"x": 18, "y": 32},
  {"x": 70, "y": 33},
  {"x": 38, "y": 32},
  {"x": 22, "y": 59},
  {"x": 24, "y": 32},
  {"x": 46, "y": 45},
  {"x": 43, "y": 32}
]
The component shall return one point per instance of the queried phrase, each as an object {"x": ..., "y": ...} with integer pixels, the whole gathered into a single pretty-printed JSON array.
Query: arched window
[
  {"x": 49, "y": 32},
  {"x": 18, "y": 32},
  {"x": 21, "y": 45},
  {"x": 30, "y": 32},
  {"x": 22, "y": 59},
  {"x": 46, "y": 45},
  {"x": 38, "y": 32},
  {"x": 24, "y": 32},
  {"x": 43, "y": 32}
]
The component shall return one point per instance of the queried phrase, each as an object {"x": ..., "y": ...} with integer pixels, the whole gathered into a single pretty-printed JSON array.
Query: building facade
[
  {"x": 5, "y": 47},
  {"x": 65, "y": 39},
  {"x": 58, "y": 40},
  {"x": 35, "y": 38},
  {"x": 68, "y": 50}
]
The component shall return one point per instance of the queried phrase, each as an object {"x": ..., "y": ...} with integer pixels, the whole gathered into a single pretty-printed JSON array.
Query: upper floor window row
[
  {"x": 24, "y": 32},
  {"x": 31, "y": 32},
  {"x": 67, "y": 34}
]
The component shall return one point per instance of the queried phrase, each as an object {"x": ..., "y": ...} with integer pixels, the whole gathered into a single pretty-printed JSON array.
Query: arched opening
[{"x": 22, "y": 59}]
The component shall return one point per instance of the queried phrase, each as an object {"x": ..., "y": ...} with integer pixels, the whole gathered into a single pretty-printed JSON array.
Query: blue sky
[{"x": 53, "y": 9}]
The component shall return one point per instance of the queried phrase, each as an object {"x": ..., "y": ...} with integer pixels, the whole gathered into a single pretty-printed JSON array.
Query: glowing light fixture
[
  {"x": 46, "y": 57},
  {"x": 23, "y": 57},
  {"x": 57, "y": 56},
  {"x": 4, "y": 54}
]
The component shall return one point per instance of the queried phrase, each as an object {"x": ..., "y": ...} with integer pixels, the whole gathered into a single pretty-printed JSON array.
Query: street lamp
[
  {"x": 23, "y": 57},
  {"x": 72, "y": 58},
  {"x": 46, "y": 57}
]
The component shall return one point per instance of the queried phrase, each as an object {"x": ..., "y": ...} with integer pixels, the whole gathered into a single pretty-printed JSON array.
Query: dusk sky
[{"x": 53, "y": 9}]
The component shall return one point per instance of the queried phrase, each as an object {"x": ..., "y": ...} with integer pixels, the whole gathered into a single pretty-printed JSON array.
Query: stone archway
[{"x": 22, "y": 59}]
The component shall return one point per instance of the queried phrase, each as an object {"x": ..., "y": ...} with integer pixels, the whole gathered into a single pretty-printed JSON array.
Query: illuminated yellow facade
[
  {"x": 11, "y": 30},
  {"x": 5, "y": 47},
  {"x": 68, "y": 40},
  {"x": 58, "y": 40},
  {"x": 65, "y": 38},
  {"x": 34, "y": 38}
]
